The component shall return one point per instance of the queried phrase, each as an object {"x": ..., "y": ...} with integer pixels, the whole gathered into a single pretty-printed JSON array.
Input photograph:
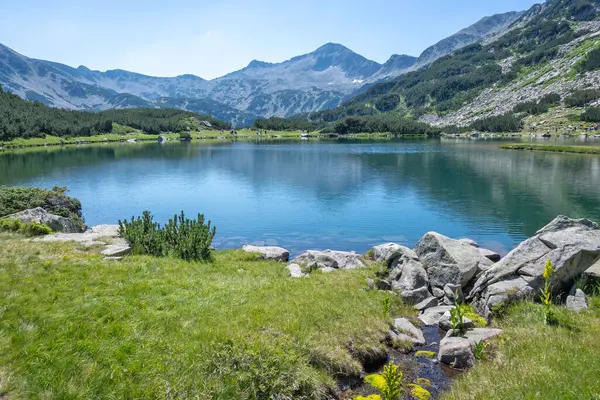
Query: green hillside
[
  {"x": 546, "y": 59},
  {"x": 29, "y": 119}
]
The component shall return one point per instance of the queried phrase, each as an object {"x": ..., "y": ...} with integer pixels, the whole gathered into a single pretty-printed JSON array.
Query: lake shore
[{"x": 553, "y": 148}]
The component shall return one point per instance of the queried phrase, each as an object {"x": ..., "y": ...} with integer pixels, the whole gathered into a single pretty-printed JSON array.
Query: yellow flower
[
  {"x": 377, "y": 381},
  {"x": 548, "y": 270},
  {"x": 419, "y": 393}
]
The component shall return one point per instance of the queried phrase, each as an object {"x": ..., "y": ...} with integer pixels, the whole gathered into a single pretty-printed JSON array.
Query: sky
[{"x": 211, "y": 38}]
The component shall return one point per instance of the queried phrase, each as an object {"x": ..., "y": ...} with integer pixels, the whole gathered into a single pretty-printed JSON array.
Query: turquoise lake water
[{"x": 309, "y": 194}]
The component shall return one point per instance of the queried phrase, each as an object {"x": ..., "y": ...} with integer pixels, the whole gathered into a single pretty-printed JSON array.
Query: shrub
[
  {"x": 531, "y": 107},
  {"x": 389, "y": 382},
  {"x": 457, "y": 315},
  {"x": 181, "y": 237},
  {"x": 498, "y": 123},
  {"x": 591, "y": 61},
  {"x": 185, "y": 136},
  {"x": 55, "y": 201},
  {"x": 550, "y": 99},
  {"x": 580, "y": 98},
  {"x": 189, "y": 239},
  {"x": 419, "y": 393},
  {"x": 26, "y": 228},
  {"x": 591, "y": 114}
]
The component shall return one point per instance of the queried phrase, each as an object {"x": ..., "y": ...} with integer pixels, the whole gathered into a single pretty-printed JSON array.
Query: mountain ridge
[{"x": 310, "y": 82}]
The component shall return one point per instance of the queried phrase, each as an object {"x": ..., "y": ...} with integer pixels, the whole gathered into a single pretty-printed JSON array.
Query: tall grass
[{"x": 73, "y": 326}]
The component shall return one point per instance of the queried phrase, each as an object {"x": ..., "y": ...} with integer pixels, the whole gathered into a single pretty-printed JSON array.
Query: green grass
[
  {"x": 553, "y": 148},
  {"x": 537, "y": 361},
  {"x": 73, "y": 326}
]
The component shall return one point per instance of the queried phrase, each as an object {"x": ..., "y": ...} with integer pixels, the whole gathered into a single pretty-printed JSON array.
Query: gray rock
[
  {"x": 112, "y": 258},
  {"x": 413, "y": 282},
  {"x": 118, "y": 248},
  {"x": 450, "y": 292},
  {"x": 437, "y": 292},
  {"x": 407, "y": 331},
  {"x": 449, "y": 260},
  {"x": 578, "y": 301},
  {"x": 295, "y": 271},
  {"x": 389, "y": 252},
  {"x": 445, "y": 322},
  {"x": 573, "y": 246},
  {"x": 456, "y": 352},
  {"x": 427, "y": 303},
  {"x": 330, "y": 259},
  {"x": 268, "y": 252},
  {"x": 477, "y": 335},
  {"x": 470, "y": 242},
  {"x": 41, "y": 216},
  {"x": 490, "y": 255},
  {"x": 433, "y": 316},
  {"x": 593, "y": 272}
]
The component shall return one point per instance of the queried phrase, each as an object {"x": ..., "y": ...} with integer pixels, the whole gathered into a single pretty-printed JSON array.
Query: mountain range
[{"x": 316, "y": 81}]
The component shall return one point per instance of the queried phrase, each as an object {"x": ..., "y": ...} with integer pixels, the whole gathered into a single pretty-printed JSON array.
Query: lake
[{"x": 343, "y": 195}]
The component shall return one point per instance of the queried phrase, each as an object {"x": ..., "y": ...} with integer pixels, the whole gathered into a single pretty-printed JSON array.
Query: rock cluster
[
  {"x": 41, "y": 216},
  {"x": 573, "y": 246}
]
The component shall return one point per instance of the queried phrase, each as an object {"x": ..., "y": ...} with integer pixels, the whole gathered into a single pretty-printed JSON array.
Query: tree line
[{"x": 28, "y": 119}]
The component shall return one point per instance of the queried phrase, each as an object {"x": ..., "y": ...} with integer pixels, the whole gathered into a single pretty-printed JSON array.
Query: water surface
[{"x": 323, "y": 194}]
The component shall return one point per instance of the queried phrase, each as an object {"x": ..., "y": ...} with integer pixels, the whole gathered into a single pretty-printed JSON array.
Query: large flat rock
[{"x": 573, "y": 247}]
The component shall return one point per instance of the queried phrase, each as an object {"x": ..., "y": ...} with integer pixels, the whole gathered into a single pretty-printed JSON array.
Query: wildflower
[{"x": 548, "y": 270}]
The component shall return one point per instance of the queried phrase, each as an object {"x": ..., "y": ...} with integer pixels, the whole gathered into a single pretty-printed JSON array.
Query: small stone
[
  {"x": 432, "y": 316},
  {"x": 451, "y": 290},
  {"x": 477, "y": 335},
  {"x": 577, "y": 302},
  {"x": 295, "y": 271}
]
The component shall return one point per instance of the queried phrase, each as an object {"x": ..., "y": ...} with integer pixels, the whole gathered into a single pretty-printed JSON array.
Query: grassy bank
[
  {"x": 124, "y": 134},
  {"x": 537, "y": 361},
  {"x": 553, "y": 148},
  {"x": 75, "y": 326}
]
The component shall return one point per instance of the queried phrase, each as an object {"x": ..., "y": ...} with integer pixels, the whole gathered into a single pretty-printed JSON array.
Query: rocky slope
[
  {"x": 481, "y": 30},
  {"x": 549, "y": 52}
]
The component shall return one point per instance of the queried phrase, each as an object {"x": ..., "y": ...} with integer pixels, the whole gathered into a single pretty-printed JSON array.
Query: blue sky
[{"x": 210, "y": 38}]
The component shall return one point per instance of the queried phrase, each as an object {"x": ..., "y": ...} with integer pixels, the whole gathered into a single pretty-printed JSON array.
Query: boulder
[
  {"x": 427, "y": 303},
  {"x": 438, "y": 292},
  {"x": 330, "y": 259},
  {"x": 449, "y": 260},
  {"x": 456, "y": 352},
  {"x": 389, "y": 252},
  {"x": 268, "y": 252},
  {"x": 573, "y": 246},
  {"x": 593, "y": 272},
  {"x": 413, "y": 283},
  {"x": 405, "y": 330},
  {"x": 577, "y": 301},
  {"x": 41, "y": 216},
  {"x": 433, "y": 316}
]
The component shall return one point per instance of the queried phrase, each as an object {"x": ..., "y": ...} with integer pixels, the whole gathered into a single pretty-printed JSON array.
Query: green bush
[
  {"x": 531, "y": 108},
  {"x": 498, "y": 123},
  {"x": 591, "y": 61},
  {"x": 26, "y": 228},
  {"x": 181, "y": 237},
  {"x": 580, "y": 98},
  {"x": 591, "y": 114},
  {"x": 55, "y": 201}
]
